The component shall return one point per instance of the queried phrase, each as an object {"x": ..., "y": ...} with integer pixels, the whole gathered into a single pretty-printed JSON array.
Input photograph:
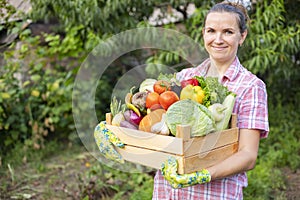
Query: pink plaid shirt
[{"x": 252, "y": 113}]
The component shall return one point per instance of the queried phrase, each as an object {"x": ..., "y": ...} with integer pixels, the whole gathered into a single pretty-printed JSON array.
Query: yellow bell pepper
[{"x": 194, "y": 93}]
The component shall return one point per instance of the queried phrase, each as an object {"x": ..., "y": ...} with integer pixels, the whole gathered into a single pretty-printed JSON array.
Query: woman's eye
[
  {"x": 209, "y": 30},
  {"x": 228, "y": 32}
]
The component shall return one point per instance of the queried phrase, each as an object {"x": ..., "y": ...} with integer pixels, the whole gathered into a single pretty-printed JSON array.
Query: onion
[
  {"x": 132, "y": 117},
  {"x": 127, "y": 124},
  {"x": 117, "y": 119}
]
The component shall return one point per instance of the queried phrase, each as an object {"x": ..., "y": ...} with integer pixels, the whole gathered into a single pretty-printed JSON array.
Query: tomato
[
  {"x": 161, "y": 86},
  {"x": 167, "y": 98},
  {"x": 152, "y": 99}
]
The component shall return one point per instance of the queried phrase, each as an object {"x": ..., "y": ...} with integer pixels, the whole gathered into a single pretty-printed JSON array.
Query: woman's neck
[{"x": 218, "y": 69}]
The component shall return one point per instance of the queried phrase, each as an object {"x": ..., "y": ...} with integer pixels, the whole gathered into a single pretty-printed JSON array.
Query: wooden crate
[{"x": 193, "y": 153}]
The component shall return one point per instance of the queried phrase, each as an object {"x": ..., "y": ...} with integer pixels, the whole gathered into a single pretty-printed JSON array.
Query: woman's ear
[
  {"x": 243, "y": 37},
  {"x": 203, "y": 29}
]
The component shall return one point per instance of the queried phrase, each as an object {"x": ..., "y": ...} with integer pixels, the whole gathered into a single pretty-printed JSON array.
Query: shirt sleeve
[{"x": 253, "y": 109}]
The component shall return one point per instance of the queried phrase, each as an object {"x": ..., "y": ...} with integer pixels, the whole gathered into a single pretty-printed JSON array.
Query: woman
[{"x": 225, "y": 29}]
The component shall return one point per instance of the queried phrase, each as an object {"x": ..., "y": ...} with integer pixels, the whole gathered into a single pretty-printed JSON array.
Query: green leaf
[{"x": 35, "y": 77}]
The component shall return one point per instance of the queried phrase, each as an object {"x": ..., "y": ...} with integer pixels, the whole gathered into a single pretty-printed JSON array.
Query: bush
[
  {"x": 35, "y": 97},
  {"x": 36, "y": 83},
  {"x": 281, "y": 149}
]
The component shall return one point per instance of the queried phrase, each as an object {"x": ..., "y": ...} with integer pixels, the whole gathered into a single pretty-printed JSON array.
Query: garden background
[{"x": 42, "y": 49}]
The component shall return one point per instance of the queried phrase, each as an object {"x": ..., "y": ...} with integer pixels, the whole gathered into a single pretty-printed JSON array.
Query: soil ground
[{"x": 293, "y": 184}]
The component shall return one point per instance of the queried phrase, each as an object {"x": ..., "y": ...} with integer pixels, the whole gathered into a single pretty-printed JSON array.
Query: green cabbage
[{"x": 188, "y": 112}]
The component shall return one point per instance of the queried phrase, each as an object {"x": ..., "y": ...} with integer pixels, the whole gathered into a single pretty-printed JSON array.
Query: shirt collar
[{"x": 232, "y": 72}]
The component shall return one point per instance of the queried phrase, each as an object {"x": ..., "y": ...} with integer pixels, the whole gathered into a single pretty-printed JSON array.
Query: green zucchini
[{"x": 229, "y": 104}]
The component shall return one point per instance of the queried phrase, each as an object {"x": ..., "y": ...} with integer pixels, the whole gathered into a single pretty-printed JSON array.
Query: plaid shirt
[{"x": 252, "y": 113}]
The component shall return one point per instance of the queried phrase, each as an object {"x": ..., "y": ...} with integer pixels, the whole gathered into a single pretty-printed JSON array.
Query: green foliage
[
  {"x": 35, "y": 95},
  {"x": 284, "y": 134},
  {"x": 271, "y": 44},
  {"x": 100, "y": 16},
  {"x": 281, "y": 149},
  {"x": 114, "y": 184},
  {"x": 6, "y": 12},
  {"x": 265, "y": 181}
]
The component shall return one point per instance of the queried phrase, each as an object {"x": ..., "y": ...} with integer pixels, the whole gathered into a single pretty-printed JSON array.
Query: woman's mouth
[{"x": 218, "y": 48}]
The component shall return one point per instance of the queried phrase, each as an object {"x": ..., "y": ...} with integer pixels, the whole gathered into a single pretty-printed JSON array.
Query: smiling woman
[{"x": 225, "y": 29}]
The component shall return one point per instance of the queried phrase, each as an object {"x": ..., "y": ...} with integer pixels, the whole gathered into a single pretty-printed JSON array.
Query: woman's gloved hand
[
  {"x": 169, "y": 171},
  {"x": 106, "y": 140}
]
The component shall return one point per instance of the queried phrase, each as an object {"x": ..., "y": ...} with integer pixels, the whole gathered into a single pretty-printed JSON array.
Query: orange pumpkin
[{"x": 150, "y": 119}]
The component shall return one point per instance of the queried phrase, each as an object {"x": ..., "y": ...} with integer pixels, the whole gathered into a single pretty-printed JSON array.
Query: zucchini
[{"x": 229, "y": 104}]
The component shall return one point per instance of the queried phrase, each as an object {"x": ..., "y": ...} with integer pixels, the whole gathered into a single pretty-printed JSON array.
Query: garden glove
[
  {"x": 169, "y": 171},
  {"x": 106, "y": 140}
]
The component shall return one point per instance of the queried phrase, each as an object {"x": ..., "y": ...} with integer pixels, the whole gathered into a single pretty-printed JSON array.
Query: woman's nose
[{"x": 218, "y": 38}]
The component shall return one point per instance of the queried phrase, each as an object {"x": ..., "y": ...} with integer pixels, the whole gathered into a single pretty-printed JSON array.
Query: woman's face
[{"x": 222, "y": 36}]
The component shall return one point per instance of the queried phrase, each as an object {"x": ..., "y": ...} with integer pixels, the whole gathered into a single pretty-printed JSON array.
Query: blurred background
[{"x": 42, "y": 46}]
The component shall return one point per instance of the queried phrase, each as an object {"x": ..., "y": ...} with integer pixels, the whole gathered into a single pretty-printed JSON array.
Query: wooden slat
[
  {"x": 108, "y": 118},
  {"x": 198, "y": 145},
  {"x": 147, "y": 140},
  {"x": 233, "y": 121},
  {"x": 204, "y": 160},
  {"x": 144, "y": 157},
  {"x": 154, "y": 159},
  {"x": 183, "y": 131}
]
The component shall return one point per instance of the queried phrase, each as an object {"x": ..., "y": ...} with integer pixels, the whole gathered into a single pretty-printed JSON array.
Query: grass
[{"x": 67, "y": 172}]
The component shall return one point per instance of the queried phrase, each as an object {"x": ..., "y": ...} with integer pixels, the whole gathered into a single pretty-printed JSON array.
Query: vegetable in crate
[
  {"x": 132, "y": 117},
  {"x": 188, "y": 112},
  {"x": 161, "y": 86},
  {"x": 150, "y": 119},
  {"x": 191, "y": 81},
  {"x": 218, "y": 111},
  {"x": 214, "y": 91},
  {"x": 161, "y": 126},
  {"x": 147, "y": 85},
  {"x": 194, "y": 93},
  {"x": 228, "y": 103},
  {"x": 152, "y": 100},
  {"x": 175, "y": 84},
  {"x": 129, "y": 104},
  {"x": 139, "y": 100},
  {"x": 166, "y": 99}
]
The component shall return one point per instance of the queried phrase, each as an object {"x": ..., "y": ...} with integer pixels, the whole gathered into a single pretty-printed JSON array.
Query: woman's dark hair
[{"x": 236, "y": 8}]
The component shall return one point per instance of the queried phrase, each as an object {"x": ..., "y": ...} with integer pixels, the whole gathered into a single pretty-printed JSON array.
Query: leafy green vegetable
[
  {"x": 188, "y": 112},
  {"x": 116, "y": 106},
  {"x": 215, "y": 92}
]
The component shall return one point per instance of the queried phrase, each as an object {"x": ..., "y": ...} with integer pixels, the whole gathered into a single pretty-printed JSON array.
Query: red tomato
[
  {"x": 167, "y": 98},
  {"x": 161, "y": 86},
  {"x": 152, "y": 99}
]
